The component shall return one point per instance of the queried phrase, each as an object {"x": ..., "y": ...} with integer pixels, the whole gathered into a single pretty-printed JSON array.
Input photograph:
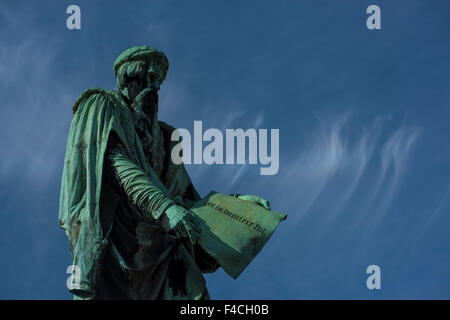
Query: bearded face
[
  {"x": 154, "y": 75},
  {"x": 136, "y": 76}
]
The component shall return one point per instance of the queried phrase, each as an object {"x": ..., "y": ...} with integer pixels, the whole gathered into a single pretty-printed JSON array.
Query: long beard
[
  {"x": 155, "y": 150},
  {"x": 150, "y": 105}
]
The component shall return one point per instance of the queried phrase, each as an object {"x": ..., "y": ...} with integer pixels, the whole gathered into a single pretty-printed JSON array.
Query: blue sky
[{"x": 364, "y": 123}]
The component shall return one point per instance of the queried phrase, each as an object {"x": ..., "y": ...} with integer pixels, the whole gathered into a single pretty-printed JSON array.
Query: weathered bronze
[{"x": 124, "y": 204}]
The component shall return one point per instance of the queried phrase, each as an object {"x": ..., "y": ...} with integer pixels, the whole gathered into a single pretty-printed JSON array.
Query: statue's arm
[
  {"x": 137, "y": 185},
  {"x": 151, "y": 200}
]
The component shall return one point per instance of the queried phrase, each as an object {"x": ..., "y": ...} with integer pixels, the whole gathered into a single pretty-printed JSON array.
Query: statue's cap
[{"x": 142, "y": 53}]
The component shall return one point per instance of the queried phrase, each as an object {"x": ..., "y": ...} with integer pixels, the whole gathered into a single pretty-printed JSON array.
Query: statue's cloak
[{"x": 86, "y": 215}]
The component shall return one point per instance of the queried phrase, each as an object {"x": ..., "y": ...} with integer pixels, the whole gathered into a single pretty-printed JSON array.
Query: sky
[{"x": 364, "y": 118}]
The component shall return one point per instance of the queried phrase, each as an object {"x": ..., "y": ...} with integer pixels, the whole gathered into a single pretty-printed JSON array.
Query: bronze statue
[{"x": 124, "y": 204}]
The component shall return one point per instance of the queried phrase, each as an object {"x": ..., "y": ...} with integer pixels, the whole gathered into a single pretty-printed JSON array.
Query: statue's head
[{"x": 139, "y": 68}]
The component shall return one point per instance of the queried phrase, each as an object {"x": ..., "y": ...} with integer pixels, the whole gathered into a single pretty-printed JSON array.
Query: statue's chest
[{"x": 152, "y": 142}]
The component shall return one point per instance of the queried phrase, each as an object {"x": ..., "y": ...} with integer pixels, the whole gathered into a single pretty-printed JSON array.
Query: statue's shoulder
[
  {"x": 166, "y": 128},
  {"x": 111, "y": 95}
]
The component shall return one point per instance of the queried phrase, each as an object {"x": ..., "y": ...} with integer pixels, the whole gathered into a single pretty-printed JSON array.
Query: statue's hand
[
  {"x": 257, "y": 200},
  {"x": 183, "y": 223}
]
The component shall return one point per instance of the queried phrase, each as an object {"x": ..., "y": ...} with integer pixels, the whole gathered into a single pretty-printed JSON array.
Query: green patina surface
[{"x": 124, "y": 204}]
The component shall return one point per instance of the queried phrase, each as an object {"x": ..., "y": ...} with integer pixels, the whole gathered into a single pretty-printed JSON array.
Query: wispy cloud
[
  {"x": 34, "y": 118},
  {"x": 34, "y": 103},
  {"x": 312, "y": 166},
  {"x": 329, "y": 169},
  {"x": 394, "y": 157}
]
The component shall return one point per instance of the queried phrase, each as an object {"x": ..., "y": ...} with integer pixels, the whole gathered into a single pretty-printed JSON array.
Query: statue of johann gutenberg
[{"x": 124, "y": 204}]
